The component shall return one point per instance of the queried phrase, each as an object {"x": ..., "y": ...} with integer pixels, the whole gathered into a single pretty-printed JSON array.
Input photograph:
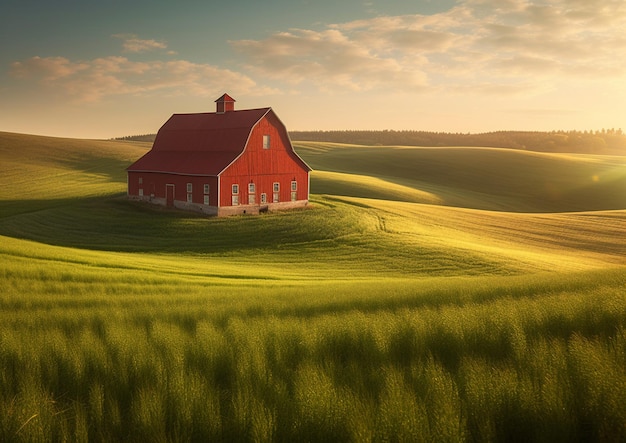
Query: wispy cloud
[
  {"x": 132, "y": 43},
  {"x": 328, "y": 58},
  {"x": 505, "y": 46},
  {"x": 93, "y": 80}
]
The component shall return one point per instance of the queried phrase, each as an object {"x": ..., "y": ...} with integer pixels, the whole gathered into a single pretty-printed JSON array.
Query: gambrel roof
[{"x": 200, "y": 144}]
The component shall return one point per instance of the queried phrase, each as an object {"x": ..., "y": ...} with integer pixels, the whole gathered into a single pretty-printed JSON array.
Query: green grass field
[{"x": 425, "y": 295}]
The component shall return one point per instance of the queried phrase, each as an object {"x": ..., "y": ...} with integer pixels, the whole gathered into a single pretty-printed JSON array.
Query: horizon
[{"x": 468, "y": 66}]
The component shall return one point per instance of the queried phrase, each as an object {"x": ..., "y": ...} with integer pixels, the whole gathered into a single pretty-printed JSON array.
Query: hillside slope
[
  {"x": 389, "y": 237},
  {"x": 479, "y": 178},
  {"x": 40, "y": 172}
]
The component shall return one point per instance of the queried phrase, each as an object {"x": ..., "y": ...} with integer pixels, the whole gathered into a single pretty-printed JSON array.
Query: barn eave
[{"x": 148, "y": 171}]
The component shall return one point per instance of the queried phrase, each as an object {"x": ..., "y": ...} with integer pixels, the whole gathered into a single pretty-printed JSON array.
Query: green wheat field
[{"x": 426, "y": 294}]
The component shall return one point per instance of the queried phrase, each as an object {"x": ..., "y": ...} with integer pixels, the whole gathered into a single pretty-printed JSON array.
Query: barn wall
[
  {"x": 264, "y": 167},
  {"x": 154, "y": 189}
]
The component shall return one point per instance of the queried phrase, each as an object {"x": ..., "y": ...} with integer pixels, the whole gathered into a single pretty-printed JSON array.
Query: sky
[{"x": 95, "y": 69}]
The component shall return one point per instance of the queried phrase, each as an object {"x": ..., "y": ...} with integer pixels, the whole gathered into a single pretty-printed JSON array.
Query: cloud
[
  {"x": 93, "y": 80},
  {"x": 51, "y": 68},
  {"x": 505, "y": 46},
  {"x": 543, "y": 112},
  {"x": 496, "y": 47},
  {"x": 327, "y": 59},
  {"x": 132, "y": 43}
]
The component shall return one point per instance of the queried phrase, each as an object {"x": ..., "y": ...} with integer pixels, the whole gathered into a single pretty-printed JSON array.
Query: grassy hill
[
  {"x": 39, "y": 172},
  {"x": 449, "y": 294},
  {"x": 74, "y": 197},
  {"x": 480, "y": 178}
]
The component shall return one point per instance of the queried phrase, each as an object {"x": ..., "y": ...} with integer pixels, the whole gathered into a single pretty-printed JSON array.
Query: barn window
[
  {"x": 251, "y": 188},
  {"x": 294, "y": 196},
  {"x": 251, "y": 199},
  {"x": 266, "y": 142},
  {"x": 189, "y": 197},
  {"x": 140, "y": 192},
  {"x": 235, "y": 198},
  {"x": 276, "y": 193},
  {"x": 206, "y": 188},
  {"x": 263, "y": 198},
  {"x": 189, "y": 187},
  {"x": 294, "y": 185},
  {"x": 206, "y": 199}
]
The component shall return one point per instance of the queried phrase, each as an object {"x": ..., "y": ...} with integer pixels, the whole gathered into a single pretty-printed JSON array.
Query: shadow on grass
[{"x": 114, "y": 223}]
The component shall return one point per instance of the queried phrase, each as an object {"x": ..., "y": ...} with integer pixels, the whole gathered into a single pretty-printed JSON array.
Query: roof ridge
[{"x": 221, "y": 113}]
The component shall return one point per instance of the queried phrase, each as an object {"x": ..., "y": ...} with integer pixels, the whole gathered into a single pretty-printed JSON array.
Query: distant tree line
[
  {"x": 138, "y": 138},
  {"x": 605, "y": 141}
]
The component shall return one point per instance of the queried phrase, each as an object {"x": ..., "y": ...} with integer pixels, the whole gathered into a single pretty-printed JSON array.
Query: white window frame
[
  {"x": 189, "y": 197},
  {"x": 206, "y": 188},
  {"x": 276, "y": 192},
  {"x": 251, "y": 188},
  {"x": 294, "y": 196},
  {"x": 234, "y": 201},
  {"x": 263, "y": 198},
  {"x": 206, "y": 199},
  {"x": 294, "y": 185},
  {"x": 140, "y": 192},
  {"x": 189, "y": 187},
  {"x": 267, "y": 140}
]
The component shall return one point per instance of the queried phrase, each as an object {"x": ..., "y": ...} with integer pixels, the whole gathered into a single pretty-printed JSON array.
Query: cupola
[{"x": 225, "y": 104}]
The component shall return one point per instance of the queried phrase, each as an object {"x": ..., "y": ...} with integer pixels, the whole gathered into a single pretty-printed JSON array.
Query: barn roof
[{"x": 200, "y": 144}]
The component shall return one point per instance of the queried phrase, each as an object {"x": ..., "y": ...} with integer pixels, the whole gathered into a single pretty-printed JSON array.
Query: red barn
[{"x": 222, "y": 163}]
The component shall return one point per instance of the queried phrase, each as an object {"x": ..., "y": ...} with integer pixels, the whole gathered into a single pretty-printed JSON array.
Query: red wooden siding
[
  {"x": 153, "y": 183},
  {"x": 264, "y": 167}
]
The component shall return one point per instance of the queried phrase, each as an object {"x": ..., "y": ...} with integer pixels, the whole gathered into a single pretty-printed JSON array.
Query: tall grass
[{"x": 538, "y": 358}]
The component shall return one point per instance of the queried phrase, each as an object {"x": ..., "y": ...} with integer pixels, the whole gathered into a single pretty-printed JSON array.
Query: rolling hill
[
  {"x": 39, "y": 172},
  {"x": 455, "y": 294},
  {"x": 400, "y": 210},
  {"x": 479, "y": 178}
]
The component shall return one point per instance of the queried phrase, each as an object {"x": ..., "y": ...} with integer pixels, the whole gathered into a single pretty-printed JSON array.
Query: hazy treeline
[
  {"x": 605, "y": 141},
  {"x": 138, "y": 138}
]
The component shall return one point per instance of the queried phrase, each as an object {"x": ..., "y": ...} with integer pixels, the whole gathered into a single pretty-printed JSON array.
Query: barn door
[{"x": 169, "y": 195}]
